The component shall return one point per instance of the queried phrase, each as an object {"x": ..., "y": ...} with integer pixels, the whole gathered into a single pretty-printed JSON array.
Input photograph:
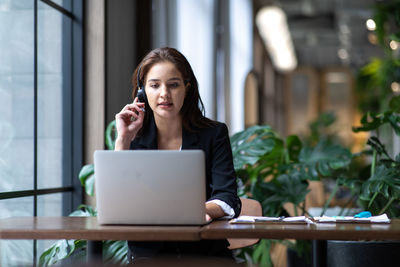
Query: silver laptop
[{"x": 150, "y": 187}]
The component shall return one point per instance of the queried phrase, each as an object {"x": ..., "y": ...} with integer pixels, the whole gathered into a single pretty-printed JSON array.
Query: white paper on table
[
  {"x": 253, "y": 219},
  {"x": 297, "y": 219},
  {"x": 373, "y": 219},
  {"x": 380, "y": 218}
]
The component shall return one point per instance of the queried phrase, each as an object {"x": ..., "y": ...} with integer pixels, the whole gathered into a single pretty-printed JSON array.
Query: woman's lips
[{"x": 165, "y": 105}]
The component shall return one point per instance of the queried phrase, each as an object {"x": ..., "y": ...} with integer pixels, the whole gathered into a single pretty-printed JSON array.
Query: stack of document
[
  {"x": 303, "y": 219},
  {"x": 262, "y": 219},
  {"x": 334, "y": 219}
]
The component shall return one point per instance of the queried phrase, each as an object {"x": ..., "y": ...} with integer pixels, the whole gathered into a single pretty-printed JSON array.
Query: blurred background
[{"x": 66, "y": 66}]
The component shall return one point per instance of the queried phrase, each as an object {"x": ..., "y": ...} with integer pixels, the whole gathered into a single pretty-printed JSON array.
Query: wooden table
[
  {"x": 320, "y": 231},
  {"x": 87, "y": 228}
]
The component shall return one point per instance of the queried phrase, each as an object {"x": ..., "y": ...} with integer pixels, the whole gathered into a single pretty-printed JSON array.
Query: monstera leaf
[
  {"x": 259, "y": 255},
  {"x": 323, "y": 159},
  {"x": 111, "y": 135},
  {"x": 86, "y": 176},
  {"x": 385, "y": 181},
  {"x": 294, "y": 146},
  {"x": 372, "y": 121},
  {"x": 61, "y": 250},
  {"x": 286, "y": 188},
  {"x": 376, "y": 144},
  {"x": 115, "y": 252},
  {"x": 250, "y": 145}
]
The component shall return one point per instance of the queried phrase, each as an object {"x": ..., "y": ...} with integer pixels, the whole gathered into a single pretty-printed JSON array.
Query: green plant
[
  {"x": 378, "y": 185},
  {"x": 275, "y": 172},
  {"x": 374, "y": 79},
  {"x": 380, "y": 192},
  {"x": 114, "y": 252}
]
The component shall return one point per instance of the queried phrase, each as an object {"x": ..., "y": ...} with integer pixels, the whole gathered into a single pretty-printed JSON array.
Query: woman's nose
[{"x": 164, "y": 91}]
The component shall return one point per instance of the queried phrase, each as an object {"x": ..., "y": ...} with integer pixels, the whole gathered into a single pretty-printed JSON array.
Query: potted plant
[
  {"x": 276, "y": 172},
  {"x": 377, "y": 185},
  {"x": 377, "y": 190}
]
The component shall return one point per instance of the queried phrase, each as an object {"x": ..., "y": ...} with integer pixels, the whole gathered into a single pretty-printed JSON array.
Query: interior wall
[
  {"x": 241, "y": 58},
  {"x": 94, "y": 82},
  {"x": 120, "y": 55},
  {"x": 112, "y": 51},
  {"x": 271, "y": 89}
]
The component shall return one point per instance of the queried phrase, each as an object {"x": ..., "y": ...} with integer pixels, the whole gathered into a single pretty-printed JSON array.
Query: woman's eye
[
  {"x": 173, "y": 85},
  {"x": 154, "y": 85}
]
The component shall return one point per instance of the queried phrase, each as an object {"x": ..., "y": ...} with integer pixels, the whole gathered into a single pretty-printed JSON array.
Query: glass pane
[
  {"x": 16, "y": 207},
  {"x": 16, "y": 95},
  {"x": 50, "y": 101},
  {"x": 16, "y": 252},
  {"x": 52, "y": 204},
  {"x": 64, "y": 3}
]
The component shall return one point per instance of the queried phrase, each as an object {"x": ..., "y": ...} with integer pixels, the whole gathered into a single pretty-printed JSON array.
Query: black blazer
[{"x": 214, "y": 141}]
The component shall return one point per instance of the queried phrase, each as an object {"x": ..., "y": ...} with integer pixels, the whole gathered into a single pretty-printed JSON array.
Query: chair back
[{"x": 250, "y": 207}]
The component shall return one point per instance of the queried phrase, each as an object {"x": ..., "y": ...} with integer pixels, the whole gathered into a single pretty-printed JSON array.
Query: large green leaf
[
  {"x": 294, "y": 146},
  {"x": 86, "y": 176},
  {"x": 286, "y": 188},
  {"x": 249, "y": 145},
  {"x": 61, "y": 250},
  {"x": 323, "y": 159},
  {"x": 84, "y": 211},
  {"x": 385, "y": 181},
  {"x": 261, "y": 255},
  {"x": 376, "y": 144},
  {"x": 111, "y": 135},
  {"x": 394, "y": 120},
  {"x": 372, "y": 121},
  {"x": 115, "y": 252}
]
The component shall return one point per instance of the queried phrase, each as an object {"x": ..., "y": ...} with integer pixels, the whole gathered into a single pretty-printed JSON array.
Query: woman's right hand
[{"x": 128, "y": 122}]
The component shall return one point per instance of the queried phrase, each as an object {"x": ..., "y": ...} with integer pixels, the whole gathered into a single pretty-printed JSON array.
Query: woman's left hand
[{"x": 214, "y": 211}]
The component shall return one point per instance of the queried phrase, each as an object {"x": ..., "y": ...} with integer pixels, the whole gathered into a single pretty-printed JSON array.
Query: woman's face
[{"x": 165, "y": 90}]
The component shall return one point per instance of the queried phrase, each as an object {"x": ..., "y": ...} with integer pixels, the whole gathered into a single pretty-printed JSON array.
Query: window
[{"x": 40, "y": 115}]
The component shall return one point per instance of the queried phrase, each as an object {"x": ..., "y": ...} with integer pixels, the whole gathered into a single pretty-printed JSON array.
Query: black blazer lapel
[
  {"x": 149, "y": 139},
  {"x": 190, "y": 140}
]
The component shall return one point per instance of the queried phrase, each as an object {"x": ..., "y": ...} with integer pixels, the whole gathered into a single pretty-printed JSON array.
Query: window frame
[{"x": 72, "y": 125}]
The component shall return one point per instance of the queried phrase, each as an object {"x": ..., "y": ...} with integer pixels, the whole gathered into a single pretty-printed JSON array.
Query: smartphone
[{"x": 140, "y": 95}]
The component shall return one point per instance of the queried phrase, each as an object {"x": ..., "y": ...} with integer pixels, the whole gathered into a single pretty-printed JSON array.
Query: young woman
[{"x": 171, "y": 117}]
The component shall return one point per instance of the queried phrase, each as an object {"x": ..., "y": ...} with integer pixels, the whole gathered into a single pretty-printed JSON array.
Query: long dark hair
[{"x": 193, "y": 108}]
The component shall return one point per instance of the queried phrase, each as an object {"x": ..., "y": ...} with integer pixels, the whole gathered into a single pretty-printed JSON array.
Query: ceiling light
[
  {"x": 272, "y": 25},
  {"x": 395, "y": 87},
  {"x": 370, "y": 23},
  {"x": 394, "y": 45}
]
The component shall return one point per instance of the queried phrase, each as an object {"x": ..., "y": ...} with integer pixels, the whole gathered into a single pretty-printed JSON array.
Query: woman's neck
[{"x": 169, "y": 134}]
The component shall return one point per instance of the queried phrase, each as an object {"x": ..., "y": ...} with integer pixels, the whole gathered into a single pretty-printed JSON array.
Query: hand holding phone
[{"x": 128, "y": 123}]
